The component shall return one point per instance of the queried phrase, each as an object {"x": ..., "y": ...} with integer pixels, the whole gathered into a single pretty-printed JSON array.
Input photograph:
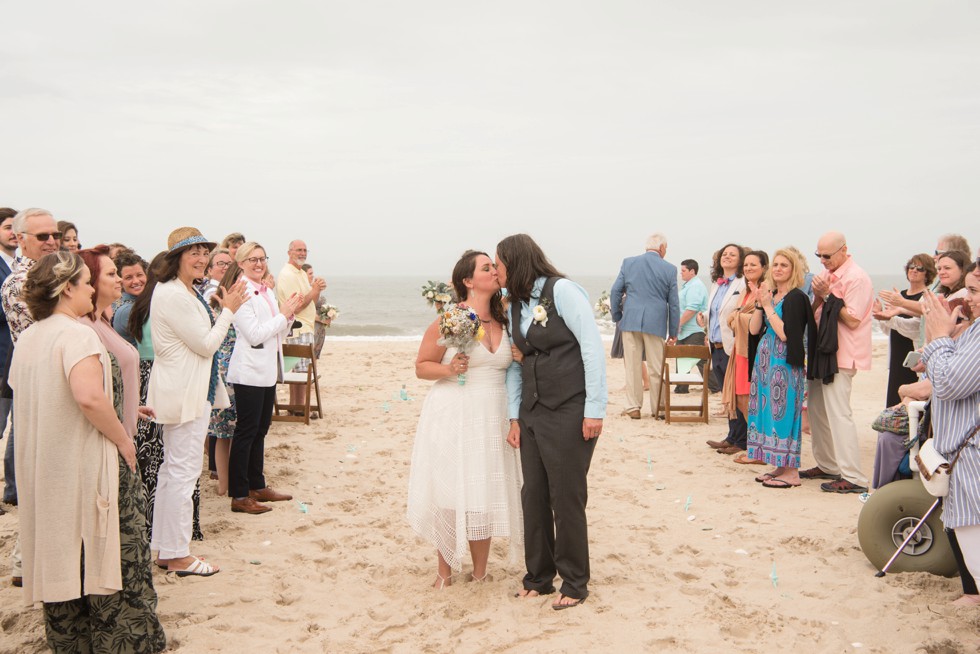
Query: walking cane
[{"x": 907, "y": 539}]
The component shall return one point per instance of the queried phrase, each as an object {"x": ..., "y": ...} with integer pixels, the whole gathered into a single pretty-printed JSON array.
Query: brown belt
[{"x": 717, "y": 346}]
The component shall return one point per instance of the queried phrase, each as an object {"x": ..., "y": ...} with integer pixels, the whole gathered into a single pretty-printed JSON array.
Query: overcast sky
[{"x": 393, "y": 135}]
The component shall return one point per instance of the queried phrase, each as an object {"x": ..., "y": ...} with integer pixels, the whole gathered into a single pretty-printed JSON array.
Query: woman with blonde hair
[
  {"x": 82, "y": 535},
  {"x": 781, "y": 314}
]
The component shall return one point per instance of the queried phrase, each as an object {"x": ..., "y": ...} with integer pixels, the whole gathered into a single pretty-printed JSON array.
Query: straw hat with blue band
[{"x": 184, "y": 237}]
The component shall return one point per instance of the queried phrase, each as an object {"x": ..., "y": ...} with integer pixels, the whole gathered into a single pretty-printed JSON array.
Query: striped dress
[{"x": 954, "y": 369}]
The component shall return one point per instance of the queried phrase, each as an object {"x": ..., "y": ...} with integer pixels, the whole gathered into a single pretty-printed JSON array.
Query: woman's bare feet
[{"x": 967, "y": 600}]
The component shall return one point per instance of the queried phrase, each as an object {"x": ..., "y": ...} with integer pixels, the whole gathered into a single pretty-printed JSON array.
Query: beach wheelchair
[{"x": 899, "y": 527}]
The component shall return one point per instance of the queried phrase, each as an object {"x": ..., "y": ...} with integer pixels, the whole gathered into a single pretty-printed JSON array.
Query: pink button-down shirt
[{"x": 853, "y": 285}]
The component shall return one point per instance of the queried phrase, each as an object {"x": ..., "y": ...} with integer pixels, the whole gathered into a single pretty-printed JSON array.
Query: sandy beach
[{"x": 688, "y": 554}]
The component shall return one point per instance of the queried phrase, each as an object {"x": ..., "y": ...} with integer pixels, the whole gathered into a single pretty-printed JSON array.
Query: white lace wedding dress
[{"x": 465, "y": 482}]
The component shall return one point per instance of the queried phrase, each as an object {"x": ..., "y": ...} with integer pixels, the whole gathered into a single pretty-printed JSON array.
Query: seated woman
[{"x": 77, "y": 479}]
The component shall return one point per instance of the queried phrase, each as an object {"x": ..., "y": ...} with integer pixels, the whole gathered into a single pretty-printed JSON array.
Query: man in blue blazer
[
  {"x": 648, "y": 316},
  {"x": 8, "y": 248}
]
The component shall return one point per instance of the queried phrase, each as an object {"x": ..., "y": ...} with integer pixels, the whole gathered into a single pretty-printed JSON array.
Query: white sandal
[
  {"x": 198, "y": 568},
  {"x": 485, "y": 578},
  {"x": 442, "y": 582}
]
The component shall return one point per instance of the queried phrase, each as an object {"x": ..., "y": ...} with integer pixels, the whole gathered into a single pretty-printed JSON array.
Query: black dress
[{"x": 898, "y": 348}]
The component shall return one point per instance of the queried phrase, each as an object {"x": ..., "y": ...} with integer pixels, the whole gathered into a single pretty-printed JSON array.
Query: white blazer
[
  {"x": 184, "y": 343},
  {"x": 257, "y": 357},
  {"x": 731, "y": 301}
]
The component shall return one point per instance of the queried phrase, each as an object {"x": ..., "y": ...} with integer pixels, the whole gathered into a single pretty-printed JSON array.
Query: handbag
[
  {"x": 893, "y": 419},
  {"x": 934, "y": 469}
]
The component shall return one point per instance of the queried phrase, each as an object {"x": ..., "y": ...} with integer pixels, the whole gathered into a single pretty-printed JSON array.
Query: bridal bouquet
[
  {"x": 327, "y": 312},
  {"x": 461, "y": 328},
  {"x": 438, "y": 294},
  {"x": 602, "y": 305}
]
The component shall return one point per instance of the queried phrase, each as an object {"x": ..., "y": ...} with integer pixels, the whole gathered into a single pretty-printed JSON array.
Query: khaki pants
[
  {"x": 634, "y": 346},
  {"x": 835, "y": 439}
]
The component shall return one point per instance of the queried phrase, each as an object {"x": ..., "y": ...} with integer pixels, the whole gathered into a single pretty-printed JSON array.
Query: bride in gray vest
[{"x": 557, "y": 401}]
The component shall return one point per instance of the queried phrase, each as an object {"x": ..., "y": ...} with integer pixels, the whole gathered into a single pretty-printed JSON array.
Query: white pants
[
  {"x": 969, "y": 540},
  {"x": 635, "y": 345},
  {"x": 835, "y": 439},
  {"x": 173, "y": 511}
]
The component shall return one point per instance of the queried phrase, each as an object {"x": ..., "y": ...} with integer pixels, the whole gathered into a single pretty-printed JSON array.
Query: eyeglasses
[
  {"x": 221, "y": 264},
  {"x": 915, "y": 268},
  {"x": 44, "y": 236},
  {"x": 938, "y": 253},
  {"x": 827, "y": 257},
  {"x": 255, "y": 260}
]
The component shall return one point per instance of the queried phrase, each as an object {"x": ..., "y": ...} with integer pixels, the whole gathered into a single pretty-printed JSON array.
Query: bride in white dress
[{"x": 465, "y": 484}]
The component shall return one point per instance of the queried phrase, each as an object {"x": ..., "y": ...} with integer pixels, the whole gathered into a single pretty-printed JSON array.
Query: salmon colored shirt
[{"x": 853, "y": 285}]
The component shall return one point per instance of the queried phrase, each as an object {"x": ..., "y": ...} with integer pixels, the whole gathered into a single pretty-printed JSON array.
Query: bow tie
[{"x": 723, "y": 281}]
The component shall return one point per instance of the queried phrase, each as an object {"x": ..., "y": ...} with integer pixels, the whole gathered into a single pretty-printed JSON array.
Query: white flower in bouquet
[{"x": 603, "y": 306}]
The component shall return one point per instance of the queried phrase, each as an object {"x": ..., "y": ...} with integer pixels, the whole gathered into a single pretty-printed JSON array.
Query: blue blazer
[
  {"x": 6, "y": 343},
  {"x": 651, "y": 306}
]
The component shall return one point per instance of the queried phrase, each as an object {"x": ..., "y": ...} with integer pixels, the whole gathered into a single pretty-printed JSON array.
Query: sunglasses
[
  {"x": 827, "y": 257},
  {"x": 44, "y": 236},
  {"x": 938, "y": 252},
  {"x": 915, "y": 268}
]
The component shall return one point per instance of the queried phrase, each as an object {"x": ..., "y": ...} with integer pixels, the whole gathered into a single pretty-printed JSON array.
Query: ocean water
[{"x": 392, "y": 308}]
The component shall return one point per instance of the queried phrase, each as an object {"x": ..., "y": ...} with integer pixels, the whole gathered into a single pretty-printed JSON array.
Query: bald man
[
  {"x": 293, "y": 279},
  {"x": 835, "y": 440}
]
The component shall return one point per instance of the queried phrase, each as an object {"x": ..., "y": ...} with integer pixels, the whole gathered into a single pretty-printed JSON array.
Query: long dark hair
[
  {"x": 140, "y": 312},
  {"x": 525, "y": 262},
  {"x": 464, "y": 269},
  {"x": 717, "y": 272}
]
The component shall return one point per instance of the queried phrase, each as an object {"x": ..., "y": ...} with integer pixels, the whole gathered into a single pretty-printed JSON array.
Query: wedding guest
[
  {"x": 85, "y": 553},
  {"x": 649, "y": 320},
  {"x": 183, "y": 388},
  {"x": 727, "y": 287},
  {"x": 132, "y": 275},
  {"x": 781, "y": 313},
  {"x": 223, "y": 421},
  {"x": 735, "y": 393},
  {"x": 557, "y": 405},
  {"x": 115, "y": 249},
  {"x": 952, "y": 359},
  {"x": 616, "y": 351},
  {"x": 464, "y": 485},
  {"x": 149, "y": 434},
  {"x": 218, "y": 263},
  {"x": 321, "y": 324},
  {"x": 69, "y": 236},
  {"x": 902, "y": 328},
  {"x": 693, "y": 299},
  {"x": 293, "y": 280},
  {"x": 37, "y": 235},
  {"x": 8, "y": 251},
  {"x": 953, "y": 243},
  {"x": 256, "y": 363},
  {"x": 846, "y": 291},
  {"x": 231, "y": 243}
]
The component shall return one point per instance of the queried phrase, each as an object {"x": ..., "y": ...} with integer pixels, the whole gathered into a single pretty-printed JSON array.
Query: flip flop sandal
[
  {"x": 745, "y": 460},
  {"x": 778, "y": 483},
  {"x": 197, "y": 569},
  {"x": 765, "y": 476},
  {"x": 562, "y": 607}
]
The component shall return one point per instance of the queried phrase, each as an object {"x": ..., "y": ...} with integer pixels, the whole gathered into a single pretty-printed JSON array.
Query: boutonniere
[{"x": 541, "y": 312}]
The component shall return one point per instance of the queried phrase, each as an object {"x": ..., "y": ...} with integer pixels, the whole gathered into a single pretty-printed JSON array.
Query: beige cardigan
[{"x": 184, "y": 343}]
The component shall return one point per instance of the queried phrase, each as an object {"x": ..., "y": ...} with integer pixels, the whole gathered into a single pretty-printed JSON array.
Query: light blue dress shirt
[
  {"x": 572, "y": 304},
  {"x": 693, "y": 297},
  {"x": 714, "y": 327}
]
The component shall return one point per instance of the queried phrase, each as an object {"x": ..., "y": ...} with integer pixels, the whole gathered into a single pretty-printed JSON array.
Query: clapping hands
[{"x": 234, "y": 297}]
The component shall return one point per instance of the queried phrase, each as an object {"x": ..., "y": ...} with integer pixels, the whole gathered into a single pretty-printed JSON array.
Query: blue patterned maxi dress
[{"x": 775, "y": 402}]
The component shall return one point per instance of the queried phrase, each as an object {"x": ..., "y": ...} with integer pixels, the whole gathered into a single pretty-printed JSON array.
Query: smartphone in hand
[{"x": 912, "y": 359}]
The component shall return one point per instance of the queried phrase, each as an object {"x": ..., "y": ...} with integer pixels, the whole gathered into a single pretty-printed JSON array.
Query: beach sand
[{"x": 348, "y": 575}]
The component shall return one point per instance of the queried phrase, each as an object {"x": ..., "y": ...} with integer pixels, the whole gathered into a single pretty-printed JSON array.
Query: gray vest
[{"x": 553, "y": 372}]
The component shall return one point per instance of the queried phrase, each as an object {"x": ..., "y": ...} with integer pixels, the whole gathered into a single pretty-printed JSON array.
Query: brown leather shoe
[
  {"x": 268, "y": 495},
  {"x": 718, "y": 444},
  {"x": 731, "y": 449},
  {"x": 633, "y": 413},
  {"x": 17, "y": 581},
  {"x": 248, "y": 505}
]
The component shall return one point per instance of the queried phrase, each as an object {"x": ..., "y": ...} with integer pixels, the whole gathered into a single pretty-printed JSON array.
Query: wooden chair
[
  {"x": 310, "y": 378},
  {"x": 670, "y": 379}
]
